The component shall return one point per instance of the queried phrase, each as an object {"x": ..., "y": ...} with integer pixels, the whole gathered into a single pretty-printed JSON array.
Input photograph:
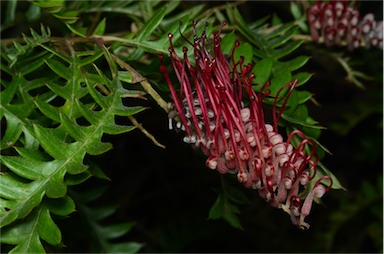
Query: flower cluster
[
  {"x": 338, "y": 22},
  {"x": 219, "y": 112}
]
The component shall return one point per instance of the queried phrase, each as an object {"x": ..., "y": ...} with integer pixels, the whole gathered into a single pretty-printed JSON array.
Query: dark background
[{"x": 168, "y": 192}]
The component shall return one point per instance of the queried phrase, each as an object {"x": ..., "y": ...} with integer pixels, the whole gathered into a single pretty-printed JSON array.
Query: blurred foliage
[{"x": 76, "y": 74}]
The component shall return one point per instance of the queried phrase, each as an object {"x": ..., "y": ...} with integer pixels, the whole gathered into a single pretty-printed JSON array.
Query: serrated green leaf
[
  {"x": 223, "y": 209},
  {"x": 59, "y": 68},
  {"x": 22, "y": 197},
  {"x": 8, "y": 94},
  {"x": 33, "y": 65},
  {"x": 48, "y": 110},
  {"x": 89, "y": 136},
  {"x": 125, "y": 76},
  {"x": 91, "y": 59},
  {"x": 27, "y": 168},
  {"x": 55, "y": 187},
  {"x": 12, "y": 132},
  {"x": 77, "y": 179},
  {"x": 80, "y": 31},
  {"x": 46, "y": 227},
  {"x": 62, "y": 206},
  {"x": 96, "y": 171},
  {"x": 26, "y": 234},
  {"x": 71, "y": 154},
  {"x": 32, "y": 154}
]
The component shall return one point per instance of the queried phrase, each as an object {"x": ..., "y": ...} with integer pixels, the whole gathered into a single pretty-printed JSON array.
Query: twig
[
  {"x": 143, "y": 82},
  {"x": 146, "y": 133}
]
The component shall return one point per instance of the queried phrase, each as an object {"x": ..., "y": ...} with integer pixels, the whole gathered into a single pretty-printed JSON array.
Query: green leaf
[
  {"x": 302, "y": 77},
  {"x": 59, "y": 68},
  {"x": 287, "y": 49},
  {"x": 91, "y": 59},
  {"x": 115, "y": 231},
  {"x": 80, "y": 31},
  {"x": 96, "y": 171},
  {"x": 18, "y": 198},
  {"x": 33, "y": 13},
  {"x": 222, "y": 208},
  {"x": 301, "y": 122},
  {"x": 262, "y": 70},
  {"x": 10, "y": 12},
  {"x": 129, "y": 247},
  {"x": 303, "y": 96},
  {"x": 52, "y": 6},
  {"x": 125, "y": 76},
  {"x": 322, "y": 170},
  {"x": 93, "y": 146},
  {"x": 50, "y": 140},
  {"x": 227, "y": 43},
  {"x": 244, "y": 50},
  {"x": 151, "y": 25},
  {"x": 46, "y": 228},
  {"x": 62, "y": 206},
  {"x": 12, "y": 132},
  {"x": 26, "y": 236},
  {"x": 104, "y": 234},
  {"x": 295, "y": 63},
  {"x": 279, "y": 80},
  {"x": 295, "y": 10},
  {"x": 100, "y": 28},
  {"x": 68, "y": 17},
  {"x": 275, "y": 20}
]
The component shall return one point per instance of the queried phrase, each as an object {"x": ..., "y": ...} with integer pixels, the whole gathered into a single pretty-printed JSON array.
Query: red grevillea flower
[
  {"x": 210, "y": 109},
  {"x": 339, "y": 22}
]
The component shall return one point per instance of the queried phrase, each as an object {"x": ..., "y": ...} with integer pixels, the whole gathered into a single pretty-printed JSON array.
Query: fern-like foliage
[
  {"x": 101, "y": 233},
  {"x": 60, "y": 95},
  {"x": 48, "y": 136}
]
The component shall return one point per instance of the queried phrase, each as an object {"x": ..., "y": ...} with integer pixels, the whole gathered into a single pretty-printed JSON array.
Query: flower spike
[{"x": 210, "y": 108}]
